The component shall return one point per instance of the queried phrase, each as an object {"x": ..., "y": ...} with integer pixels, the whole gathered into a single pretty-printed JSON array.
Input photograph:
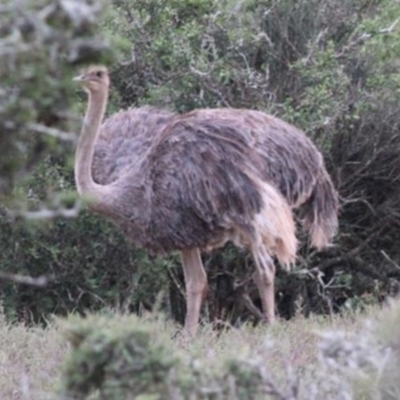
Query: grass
[
  {"x": 293, "y": 355},
  {"x": 30, "y": 361}
]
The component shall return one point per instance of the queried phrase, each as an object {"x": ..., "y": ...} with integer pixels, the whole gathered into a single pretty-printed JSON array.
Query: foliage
[
  {"x": 40, "y": 42},
  {"x": 124, "y": 357},
  {"x": 328, "y": 67},
  {"x": 353, "y": 356},
  {"x": 91, "y": 268}
]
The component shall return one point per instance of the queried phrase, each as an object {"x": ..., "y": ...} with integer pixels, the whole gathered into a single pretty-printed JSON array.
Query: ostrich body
[{"x": 194, "y": 181}]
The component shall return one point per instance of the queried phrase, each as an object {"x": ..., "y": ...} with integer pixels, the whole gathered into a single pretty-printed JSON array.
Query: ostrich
[{"x": 192, "y": 182}]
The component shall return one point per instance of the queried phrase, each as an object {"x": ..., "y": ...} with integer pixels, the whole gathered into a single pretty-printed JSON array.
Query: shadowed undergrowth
[{"x": 126, "y": 357}]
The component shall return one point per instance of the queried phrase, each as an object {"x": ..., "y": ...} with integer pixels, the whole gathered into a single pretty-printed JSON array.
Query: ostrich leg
[
  {"x": 196, "y": 285},
  {"x": 264, "y": 278}
]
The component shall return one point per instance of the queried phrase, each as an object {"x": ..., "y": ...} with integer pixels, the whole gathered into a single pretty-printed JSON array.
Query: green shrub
[
  {"x": 331, "y": 69},
  {"x": 41, "y": 43},
  {"x": 125, "y": 357}
]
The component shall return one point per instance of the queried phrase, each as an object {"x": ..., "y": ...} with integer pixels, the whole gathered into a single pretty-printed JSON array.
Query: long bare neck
[{"x": 86, "y": 186}]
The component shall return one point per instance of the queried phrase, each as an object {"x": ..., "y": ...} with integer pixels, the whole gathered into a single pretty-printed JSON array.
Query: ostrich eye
[{"x": 99, "y": 74}]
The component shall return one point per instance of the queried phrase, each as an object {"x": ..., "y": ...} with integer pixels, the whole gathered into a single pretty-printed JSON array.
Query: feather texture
[{"x": 193, "y": 180}]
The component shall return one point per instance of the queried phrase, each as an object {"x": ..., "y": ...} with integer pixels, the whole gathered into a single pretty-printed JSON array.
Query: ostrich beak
[{"x": 79, "y": 78}]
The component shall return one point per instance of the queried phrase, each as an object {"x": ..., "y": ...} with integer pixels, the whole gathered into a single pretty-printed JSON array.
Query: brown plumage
[{"x": 194, "y": 181}]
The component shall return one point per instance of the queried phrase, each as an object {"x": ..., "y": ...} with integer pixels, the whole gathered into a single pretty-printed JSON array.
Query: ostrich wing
[
  {"x": 199, "y": 175},
  {"x": 201, "y": 166},
  {"x": 286, "y": 157}
]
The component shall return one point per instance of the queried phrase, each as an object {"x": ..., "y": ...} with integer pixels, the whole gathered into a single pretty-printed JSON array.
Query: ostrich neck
[{"x": 84, "y": 154}]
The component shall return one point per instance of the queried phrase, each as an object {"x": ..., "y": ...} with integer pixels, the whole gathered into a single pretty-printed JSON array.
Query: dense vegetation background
[{"x": 329, "y": 67}]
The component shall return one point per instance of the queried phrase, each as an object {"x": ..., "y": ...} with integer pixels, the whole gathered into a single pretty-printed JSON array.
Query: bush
[
  {"x": 330, "y": 69},
  {"x": 42, "y": 41},
  {"x": 122, "y": 357}
]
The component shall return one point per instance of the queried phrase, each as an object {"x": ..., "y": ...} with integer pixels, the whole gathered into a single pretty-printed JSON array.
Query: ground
[{"x": 32, "y": 359}]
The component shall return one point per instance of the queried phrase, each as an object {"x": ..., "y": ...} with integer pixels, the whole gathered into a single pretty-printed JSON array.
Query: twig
[
  {"x": 53, "y": 132},
  {"x": 316, "y": 42},
  {"x": 47, "y": 213},
  {"x": 40, "y": 281},
  {"x": 391, "y": 27},
  {"x": 390, "y": 260},
  {"x": 97, "y": 297},
  {"x": 365, "y": 36},
  {"x": 248, "y": 303},
  {"x": 176, "y": 282}
]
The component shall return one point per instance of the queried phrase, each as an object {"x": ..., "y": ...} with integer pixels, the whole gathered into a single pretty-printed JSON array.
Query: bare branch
[
  {"x": 47, "y": 213},
  {"x": 199, "y": 73},
  {"x": 390, "y": 28},
  {"x": 364, "y": 36},
  {"x": 315, "y": 44},
  {"x": 390, "y": 260},
  {"x": 40, "y": 281},
  {"x": 39, "y": 128},
  {"x": 251, "y": 307}
]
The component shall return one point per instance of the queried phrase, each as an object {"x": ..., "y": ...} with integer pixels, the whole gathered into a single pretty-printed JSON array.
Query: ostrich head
[{"x": 94, "y": 79}]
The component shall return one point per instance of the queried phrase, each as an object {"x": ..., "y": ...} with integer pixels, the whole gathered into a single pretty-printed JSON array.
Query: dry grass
[{"x": 31, "y": 359}]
